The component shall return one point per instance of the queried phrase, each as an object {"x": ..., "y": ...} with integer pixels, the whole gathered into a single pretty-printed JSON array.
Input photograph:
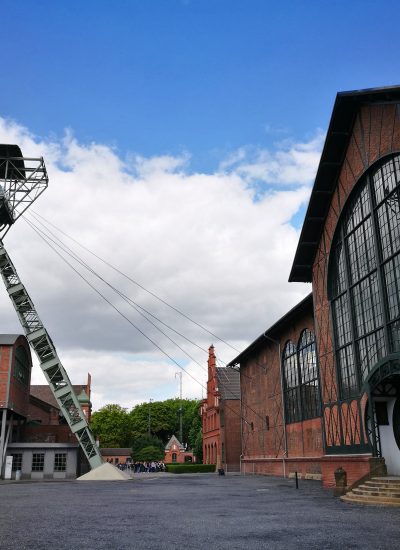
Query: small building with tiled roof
[
  {"x": 175, "y": 452},
  {"x": 116, "y": 455}
]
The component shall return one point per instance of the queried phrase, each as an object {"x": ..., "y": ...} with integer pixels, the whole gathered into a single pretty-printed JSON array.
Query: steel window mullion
[
  {"x": 349, "y": 301},
  {"x": 387, "y": 207},
  {"x": 379, "y": 256},
  {"x": 300, "y": 384}
]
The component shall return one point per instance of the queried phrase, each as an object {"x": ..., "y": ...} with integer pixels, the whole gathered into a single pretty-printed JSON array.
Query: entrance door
[
  {"x": 383, "y": 418},
  {"x": 388, "y": 420}
]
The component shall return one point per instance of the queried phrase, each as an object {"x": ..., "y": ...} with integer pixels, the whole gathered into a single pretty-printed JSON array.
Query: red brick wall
[
  {"x": 355, "y": 467},
  {"x": 181, "y": 456},
  {"x": 305, "y": 438},
  {"x": 116, "y": 459},
  {"x": 18, "y": 393},
  {"x": 262, "y": 397},
  {"x": 230, "y": 434},
  {"x": 48, "y": 416},
  {"x": 5, "y": 367},
  {"x": 210, "y": 411},
  {"x": 47, "y": 434},
  {"x": 285, "y": 467}
]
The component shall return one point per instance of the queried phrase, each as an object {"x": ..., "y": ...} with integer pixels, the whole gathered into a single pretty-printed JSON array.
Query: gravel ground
[{"x": 189, "y": 511}]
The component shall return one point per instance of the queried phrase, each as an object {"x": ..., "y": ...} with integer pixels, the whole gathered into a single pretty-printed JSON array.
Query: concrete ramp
[{"x": 105, "y": 472}]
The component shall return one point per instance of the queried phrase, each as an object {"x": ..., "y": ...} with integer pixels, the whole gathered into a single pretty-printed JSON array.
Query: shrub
[{"x": 190, "y": 468}]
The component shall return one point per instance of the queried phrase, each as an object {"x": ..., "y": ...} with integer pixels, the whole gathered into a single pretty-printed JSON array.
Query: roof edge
[
  {"x": 339, "y": 132},
  {"x": 272, "y": 330}
]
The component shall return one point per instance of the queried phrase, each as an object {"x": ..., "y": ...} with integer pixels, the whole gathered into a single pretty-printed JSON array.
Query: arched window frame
[
  {"x": 309, "y": 378},
  {"x": 364, "y": 276},
  {"x": 301, "y": 380},
  {"x": 291, "y": 383}
]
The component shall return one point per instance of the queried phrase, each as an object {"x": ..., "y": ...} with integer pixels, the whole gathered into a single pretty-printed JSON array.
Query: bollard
[
  {"x": 340, "y": 481},
  {"x": 297, "y": 480}
]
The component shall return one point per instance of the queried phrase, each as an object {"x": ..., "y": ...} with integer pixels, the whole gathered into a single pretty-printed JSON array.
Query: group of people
[{"x": 139, "y": 467}]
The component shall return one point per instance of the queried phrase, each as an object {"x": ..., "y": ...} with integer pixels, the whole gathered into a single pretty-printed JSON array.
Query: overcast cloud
[{"x": 218, "y": 246}]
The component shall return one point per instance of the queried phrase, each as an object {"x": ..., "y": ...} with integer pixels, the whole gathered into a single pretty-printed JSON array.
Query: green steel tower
[{"x": 22, "y": 181}]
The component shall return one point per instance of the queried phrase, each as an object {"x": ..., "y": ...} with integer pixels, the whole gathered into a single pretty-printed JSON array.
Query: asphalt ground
[{"x": 189, "y": 511}]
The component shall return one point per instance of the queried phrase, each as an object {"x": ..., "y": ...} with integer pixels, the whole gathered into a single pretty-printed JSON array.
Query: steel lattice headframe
[{"x": 22, "y": 181}]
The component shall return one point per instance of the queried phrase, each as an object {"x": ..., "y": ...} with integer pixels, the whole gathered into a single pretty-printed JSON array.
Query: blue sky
[
  {"x": 181, "y": 138},
  {"x": 203, "y": 76}
]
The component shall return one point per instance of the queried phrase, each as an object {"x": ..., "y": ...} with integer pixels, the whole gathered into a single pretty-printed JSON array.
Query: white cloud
[
  {"x": 292, "y": 164},
  {"x": 210, "y": 244}
]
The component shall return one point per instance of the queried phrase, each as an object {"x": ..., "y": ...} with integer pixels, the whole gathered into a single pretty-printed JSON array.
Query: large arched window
[
  {"x": 291, "y": 376},
  {"x": 310, "y": 401},
  {"x": 301, "y": 379},
  {"x": 364, "y": 276}
]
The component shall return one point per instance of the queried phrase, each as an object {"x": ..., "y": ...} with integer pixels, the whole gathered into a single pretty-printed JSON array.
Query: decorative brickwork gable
[
  {"x": 220, "y": 413},
  {"x": 175, "y": 452}
]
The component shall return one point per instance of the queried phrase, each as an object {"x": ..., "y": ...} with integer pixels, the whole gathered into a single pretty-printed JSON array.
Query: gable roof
[
  {"x": 272, "y": 333},
  {"x": 337, "y": 139},
  {"x": 174, "y": 440},
  {"x": 228, "y": 383},
  {"x": 44, "y": 393}
]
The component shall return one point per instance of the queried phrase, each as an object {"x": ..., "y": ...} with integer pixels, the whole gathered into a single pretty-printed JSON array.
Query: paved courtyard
[{"x": 161, "y": 511}]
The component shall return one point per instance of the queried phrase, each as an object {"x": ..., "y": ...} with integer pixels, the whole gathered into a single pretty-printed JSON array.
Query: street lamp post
[
  {"x": 150, "y": 402},
  {"x": 180, "y": 406}
]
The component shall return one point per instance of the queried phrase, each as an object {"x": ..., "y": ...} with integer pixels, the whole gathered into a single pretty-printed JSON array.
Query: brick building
[
  {"x": 117, "y": 456},
  {"x": 321, "y": 388},
  {"x": 32, "y": 429},
  {"x": 176, "y": 453},
  {"x": 278, "y": 440},
  {"x": 220, "y": 413}
]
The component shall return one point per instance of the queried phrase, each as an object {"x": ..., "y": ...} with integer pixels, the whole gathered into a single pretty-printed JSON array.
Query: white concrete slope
[{"x": 105, "y": 472}]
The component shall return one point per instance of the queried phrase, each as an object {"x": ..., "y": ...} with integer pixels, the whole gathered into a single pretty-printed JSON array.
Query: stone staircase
[{"x": 378, "y": 491}]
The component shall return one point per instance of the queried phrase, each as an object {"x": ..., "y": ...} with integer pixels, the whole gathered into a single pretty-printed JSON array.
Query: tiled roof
[
  {"x": 173, "y": 440},
  {"x": 114, "y": 451},
  {"x": 228, "y": 383},
  {"x": 44, "y": 393},
  {"x": 339, "y": 133}
]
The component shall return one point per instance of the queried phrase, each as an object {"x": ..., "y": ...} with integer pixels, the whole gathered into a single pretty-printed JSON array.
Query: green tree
[
  {"x": 115, "y": 427},
  {"x": 198, "y": 446},
  {"x": 111, "y": 426},
  {"x": 164, "y": 418},
  {"x": 149, "y": 453},
  {"x": 144, "y": 441},
  {"x": 195, "y": 438}
]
